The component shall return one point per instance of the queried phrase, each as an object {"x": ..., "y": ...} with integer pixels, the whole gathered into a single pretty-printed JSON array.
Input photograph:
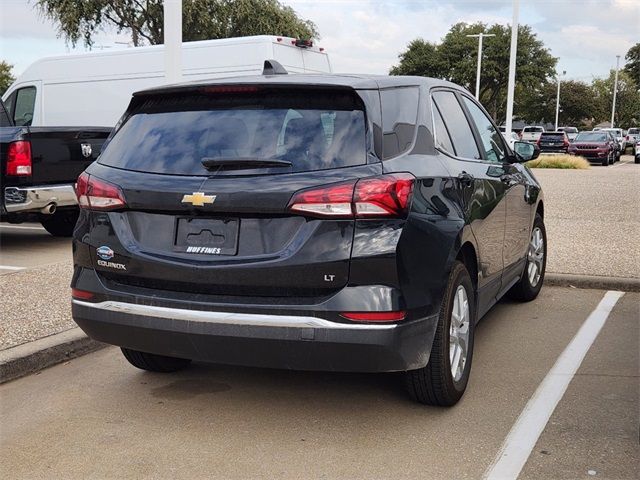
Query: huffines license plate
[{"x": 206, "y": 236}]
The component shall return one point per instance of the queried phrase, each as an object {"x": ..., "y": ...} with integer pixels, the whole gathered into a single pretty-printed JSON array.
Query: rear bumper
[
  {"x": 34, "y": 199},
  {"x": 297, "y": 342}
]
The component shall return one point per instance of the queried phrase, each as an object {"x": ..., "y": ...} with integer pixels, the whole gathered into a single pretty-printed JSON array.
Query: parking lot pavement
[
  {"x": 98, "y": 417},
  {"x": 593, "y": 219},
  {"x": 28, "y": 245}
]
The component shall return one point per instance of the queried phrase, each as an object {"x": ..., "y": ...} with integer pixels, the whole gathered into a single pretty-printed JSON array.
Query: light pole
[
  {"x": 615, "y": 90},
  {"x": 173, "y": 40},
  {"x": 512, "y": 65},
  {"x": 480, "y": 36},
  {"x": 558, "y": 98}
]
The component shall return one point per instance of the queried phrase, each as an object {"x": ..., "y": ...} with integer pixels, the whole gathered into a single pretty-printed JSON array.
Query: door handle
[{"x": 466, "y": 179}]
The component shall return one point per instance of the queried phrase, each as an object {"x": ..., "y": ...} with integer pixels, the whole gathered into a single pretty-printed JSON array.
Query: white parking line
[
  {"x": 21, "y": 227},
  {"x": 7, "y": 267},
  {"x": 525, "y": 432}
]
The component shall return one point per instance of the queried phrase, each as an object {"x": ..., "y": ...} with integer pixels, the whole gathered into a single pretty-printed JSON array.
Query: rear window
[
  {"x": 533, "y": 129},
  {"x": 172, "y": 135},
  {"x": 552, "y": 135},
  {"x": 633, "y": 131},
  {"x": 591, "y": 137}
]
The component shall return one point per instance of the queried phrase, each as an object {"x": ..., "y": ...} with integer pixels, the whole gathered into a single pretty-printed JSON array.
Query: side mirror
[{"x": 525, "y": 151}]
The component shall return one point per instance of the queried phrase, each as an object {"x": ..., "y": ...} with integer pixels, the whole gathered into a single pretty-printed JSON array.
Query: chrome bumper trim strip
[{"x": 227, "y": 318}]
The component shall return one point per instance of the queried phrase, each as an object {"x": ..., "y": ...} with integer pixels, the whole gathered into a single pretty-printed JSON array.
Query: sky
[{"x": 366, "y": 36}]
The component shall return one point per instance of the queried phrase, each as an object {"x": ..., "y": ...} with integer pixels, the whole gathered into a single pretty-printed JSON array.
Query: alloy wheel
[
  {"x": 459, "y": 333},
  {"x": 535, "y": 257}
]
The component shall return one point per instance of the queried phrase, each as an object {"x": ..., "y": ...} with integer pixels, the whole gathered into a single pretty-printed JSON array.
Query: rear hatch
[
  {"x": 552, "y": 139},
  {"x": 207, "y": 177}
]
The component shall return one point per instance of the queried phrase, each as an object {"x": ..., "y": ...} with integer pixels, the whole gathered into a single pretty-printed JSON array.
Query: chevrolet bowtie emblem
[{"x": 198, "y": 199}]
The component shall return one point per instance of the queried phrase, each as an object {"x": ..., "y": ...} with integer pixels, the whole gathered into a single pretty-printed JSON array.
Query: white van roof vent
[{"x": 271, "y": 67}]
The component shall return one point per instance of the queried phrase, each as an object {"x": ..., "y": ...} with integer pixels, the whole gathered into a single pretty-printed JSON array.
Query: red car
[{"x": 594, "y": 146}]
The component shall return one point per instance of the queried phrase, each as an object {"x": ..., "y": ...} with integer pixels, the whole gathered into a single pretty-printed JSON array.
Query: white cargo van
[{"x": 95, "y": 88}]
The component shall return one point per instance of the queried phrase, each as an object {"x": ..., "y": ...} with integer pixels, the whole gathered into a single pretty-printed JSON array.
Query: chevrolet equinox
[{"x": 313, "y": 222}]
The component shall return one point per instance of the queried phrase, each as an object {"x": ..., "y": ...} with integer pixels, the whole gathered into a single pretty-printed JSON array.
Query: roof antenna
[{"x": 271, "y": 67}]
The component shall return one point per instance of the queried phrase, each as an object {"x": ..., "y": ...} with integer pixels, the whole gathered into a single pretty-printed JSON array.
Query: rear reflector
[
  {"x": 81, "y": 294},
  {"x": 19, "y": 158},
  {"x": 96, "y": 194},
  {"x": 375, "y": 316},
  {"x": 384, "y": 196}
]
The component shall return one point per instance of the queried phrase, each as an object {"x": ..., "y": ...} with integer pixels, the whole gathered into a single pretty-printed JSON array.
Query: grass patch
[{"x": 559, "y": 161}]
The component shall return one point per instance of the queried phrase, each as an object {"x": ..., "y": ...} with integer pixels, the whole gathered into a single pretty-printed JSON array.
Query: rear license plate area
[{"x": 207, "y": 236}]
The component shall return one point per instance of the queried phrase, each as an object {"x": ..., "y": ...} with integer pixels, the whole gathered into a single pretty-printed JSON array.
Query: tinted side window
[
  {"x": 443, "y": 140},
  {"x": 4, "y": 117},
  {"x": 491, "y": 138},
  {"x": 25, "y": 103},
  {"x": 457, "y": 125},
  {"x": 399, "y": 116}
]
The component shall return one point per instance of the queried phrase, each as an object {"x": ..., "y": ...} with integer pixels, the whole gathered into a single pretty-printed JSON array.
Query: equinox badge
[{"x": 198, "y": 199}]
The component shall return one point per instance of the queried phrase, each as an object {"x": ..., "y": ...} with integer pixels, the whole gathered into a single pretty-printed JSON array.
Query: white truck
[
  {"x": 531, "y": 133},
  {"x": 95, "y": 88}
]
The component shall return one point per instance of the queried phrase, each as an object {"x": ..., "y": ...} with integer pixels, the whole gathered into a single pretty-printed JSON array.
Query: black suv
[{"x": 315, "y": 222}]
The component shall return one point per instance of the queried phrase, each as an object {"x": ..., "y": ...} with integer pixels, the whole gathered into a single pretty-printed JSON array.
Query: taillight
[
  {"x": 395, "y": 316},
  {"x": 384, "y": 196},
  {"x": 19, "y": 158},
  {"x": 97, "y": 194}
]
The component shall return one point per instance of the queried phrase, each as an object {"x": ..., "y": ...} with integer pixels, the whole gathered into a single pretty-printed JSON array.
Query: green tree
[
  {"x": 578, "y": 104},
  {"x": 455, "y": 59},
  {"x": 6, "y": 77},
  {"x": 79, "y": 20},
  {"x": 633, "y": 63},
  {"x": 627, "y": 99}
]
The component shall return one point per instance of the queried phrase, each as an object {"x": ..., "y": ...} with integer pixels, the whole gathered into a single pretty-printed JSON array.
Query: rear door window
[
  {"x": 23, "y": 108},
  {"x": 172, "y": 135},
  {"x": 443, "y": 139},
  {"x": 494, "y": 149},
  {"x": 399, "y": 117},
  {"x": 457, "y": 125}
]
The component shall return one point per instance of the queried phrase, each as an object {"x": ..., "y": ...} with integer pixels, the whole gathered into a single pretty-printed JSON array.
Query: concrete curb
[
  {"x": 588, "y": 281},
  {"x": 16, "y": 362}
]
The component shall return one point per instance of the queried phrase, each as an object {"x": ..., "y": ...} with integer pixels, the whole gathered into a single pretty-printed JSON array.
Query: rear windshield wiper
[{"x": 211, "y": 163}]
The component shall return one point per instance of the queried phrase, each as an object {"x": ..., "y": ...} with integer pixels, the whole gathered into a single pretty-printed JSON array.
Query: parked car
[
  {"x": 632, "y": 138},
  {"x": 619, "y": 137},
  {"x": 598, "y": 146},
  {"x": 95, "y": 88},
  {"x": 511, "y": 138},
  {"x": 637, "y": 155},
  {"x": 531, "y": 133},
  {"x": 571, "y": 132},
  {"x": 553, "y": 142},
  {"x": 339, "y": 235},
  {"x": 39, "y": 166}
]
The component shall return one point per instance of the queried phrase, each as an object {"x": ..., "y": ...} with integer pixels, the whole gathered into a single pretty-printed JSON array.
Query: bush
[{"x": 559, "y": 161}]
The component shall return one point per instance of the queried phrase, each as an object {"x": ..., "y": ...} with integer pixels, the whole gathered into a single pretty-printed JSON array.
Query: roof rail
[{"x": 271, "y": 67}]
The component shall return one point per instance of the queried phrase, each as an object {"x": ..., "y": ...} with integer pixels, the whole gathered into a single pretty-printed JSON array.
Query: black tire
[
  {"x": 153, "y": 362},
  {"x": 61, "y": 223},
  {"x": 606, "y": 161},
  {"x": 524, "y": 291},
  {"x": 435, "y": 383}
]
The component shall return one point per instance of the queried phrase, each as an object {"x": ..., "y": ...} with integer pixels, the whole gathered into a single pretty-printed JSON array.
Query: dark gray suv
[{"x": 329, "y": 222}]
